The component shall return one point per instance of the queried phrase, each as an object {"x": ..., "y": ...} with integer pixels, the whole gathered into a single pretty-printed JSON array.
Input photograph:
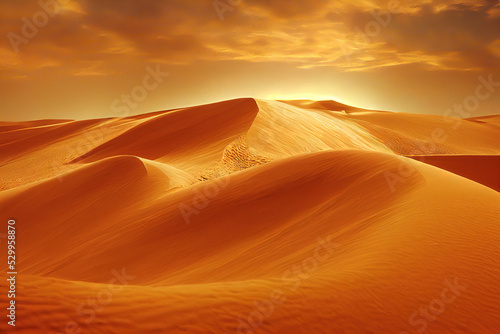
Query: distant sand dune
[{"x": 492, "y": 119}]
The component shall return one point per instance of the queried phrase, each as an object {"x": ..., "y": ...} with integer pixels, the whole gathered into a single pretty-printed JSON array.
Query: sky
[{"x": 80, "y": 59}]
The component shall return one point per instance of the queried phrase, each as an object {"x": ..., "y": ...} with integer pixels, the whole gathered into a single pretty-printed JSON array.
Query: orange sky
[{"x": 80, "y": 59}]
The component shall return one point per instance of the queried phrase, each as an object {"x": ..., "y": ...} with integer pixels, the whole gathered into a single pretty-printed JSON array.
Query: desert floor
[{"x": 254, "y": 216}]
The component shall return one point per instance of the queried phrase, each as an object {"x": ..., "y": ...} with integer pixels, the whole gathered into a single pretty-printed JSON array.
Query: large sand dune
[{"x": 254, "y": 216}]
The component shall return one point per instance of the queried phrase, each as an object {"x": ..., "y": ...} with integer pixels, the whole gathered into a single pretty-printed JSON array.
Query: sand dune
[
  {"x": 412, "y": 134},
  {"x": 255, "y": 216},
  {"x": 182, "y": 132},
  {"x": 10, "y": 126},
  {"x": 325, "y": 105},
  {"x": 20, "y": 142},
  {"x": 484, "y": 169},
  {"x": 492, "y": 119}
]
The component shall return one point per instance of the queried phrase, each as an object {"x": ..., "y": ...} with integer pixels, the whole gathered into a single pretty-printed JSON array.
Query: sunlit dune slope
[
  {"x": 282, "y": 130},
  {"x": 418, "y": 134},
  {"x": 10, "y": 126},
  {"x": 22, "y": 141},
  {"x": 196, "y": 130},
  {"x": 218, "y": 139},
  {"x": 254, "y": 216},
  {"x": 47, "y": 152},
  {"x": 413, "y": 134}
]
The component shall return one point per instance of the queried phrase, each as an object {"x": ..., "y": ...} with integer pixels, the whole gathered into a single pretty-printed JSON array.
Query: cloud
[
  {"x": 454, "y": 35},
  {"x": 291, "y": 8},
  {"x": 460, "y": 28},
  {"x": 94, "y": 36}
]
